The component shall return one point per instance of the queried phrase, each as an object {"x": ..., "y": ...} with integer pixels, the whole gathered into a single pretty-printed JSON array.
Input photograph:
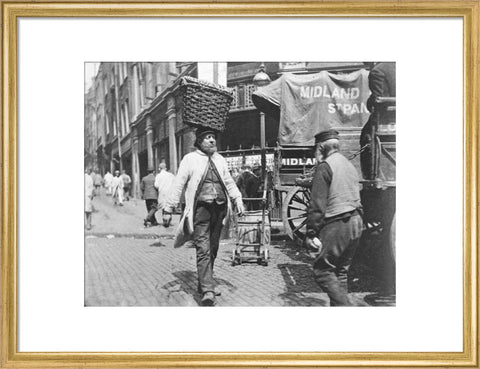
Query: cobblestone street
[{"x": 129, "y": 265}]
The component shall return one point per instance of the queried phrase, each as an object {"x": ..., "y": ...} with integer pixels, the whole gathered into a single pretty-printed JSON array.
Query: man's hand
[
  {"x": 240, "y": 208},
  {"x": 312, "y": 244}
]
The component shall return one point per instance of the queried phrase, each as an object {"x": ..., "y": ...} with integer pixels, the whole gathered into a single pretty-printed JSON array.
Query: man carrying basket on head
[
  {"x": 209, "y": 192},
  {"x": 209, "y": 186}
]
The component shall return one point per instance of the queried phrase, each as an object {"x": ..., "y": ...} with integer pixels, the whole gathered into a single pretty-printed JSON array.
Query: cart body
[{"x": 294, "y": 159}]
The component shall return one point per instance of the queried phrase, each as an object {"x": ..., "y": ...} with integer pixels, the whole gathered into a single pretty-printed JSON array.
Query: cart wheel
[{"x": 294, "y": 212}]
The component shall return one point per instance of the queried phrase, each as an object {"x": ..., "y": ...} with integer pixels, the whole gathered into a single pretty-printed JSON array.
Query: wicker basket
[{"x": 205, "y": 104}]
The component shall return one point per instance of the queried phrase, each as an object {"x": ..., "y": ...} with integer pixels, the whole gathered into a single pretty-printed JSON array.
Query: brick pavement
[
  {"x": 127, "y": 265},
  {"x": 147, "y": 272}
]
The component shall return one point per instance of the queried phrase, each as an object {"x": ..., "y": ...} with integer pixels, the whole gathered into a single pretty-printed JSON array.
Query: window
[
  {"x": 235, "y": 98},
  {"x": 249, "y": 89},
  {"x": 136, "y": 92},
  {"x": 94, "y": 126},
  {"x": 122, "y": 72},
  {"x": 122, "y": 123},
  {"x": 120, "y": 75},
  {"x": 142, "y": 94},
  {"x": 107, "y": 124},
  {"x": 114, "y": 127},
  {"x": 127, "y": 119},
  {"x": 112, "y": 78},
  {"x": 105, "y": 88},
  {"x": 125, "y": 70}
]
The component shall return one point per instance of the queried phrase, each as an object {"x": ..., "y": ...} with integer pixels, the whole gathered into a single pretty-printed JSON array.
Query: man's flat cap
[
  {"x": 326, "y": 135},
  {"x": 202, "y": 131}
]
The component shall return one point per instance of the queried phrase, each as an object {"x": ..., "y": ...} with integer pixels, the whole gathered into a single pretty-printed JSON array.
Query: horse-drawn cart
[{"x": 372, "y": 150}]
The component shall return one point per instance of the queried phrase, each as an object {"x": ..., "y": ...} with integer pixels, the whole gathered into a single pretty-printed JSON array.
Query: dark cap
[
  {"x": 326, "y": 135},
  {"x": 202, "y": 131}
]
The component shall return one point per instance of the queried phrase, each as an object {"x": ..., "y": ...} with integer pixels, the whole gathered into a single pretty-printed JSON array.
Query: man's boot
[
  {"x": 199, "y": 290},
  {"x": 208, "y": 299}
]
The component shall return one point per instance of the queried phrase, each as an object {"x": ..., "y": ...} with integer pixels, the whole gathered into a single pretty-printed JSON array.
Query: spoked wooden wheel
[{"x": 294, "y": 212}]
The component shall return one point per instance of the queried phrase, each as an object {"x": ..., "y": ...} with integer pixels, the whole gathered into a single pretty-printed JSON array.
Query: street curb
[{"x": 128, "y": 235}]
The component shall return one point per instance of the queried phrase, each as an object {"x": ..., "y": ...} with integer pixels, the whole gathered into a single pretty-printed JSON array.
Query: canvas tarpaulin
[{"x": 308, "y": 104}]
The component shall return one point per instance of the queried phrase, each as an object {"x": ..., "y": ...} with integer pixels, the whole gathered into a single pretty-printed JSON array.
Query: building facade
[{"x": 133, "y": 112}]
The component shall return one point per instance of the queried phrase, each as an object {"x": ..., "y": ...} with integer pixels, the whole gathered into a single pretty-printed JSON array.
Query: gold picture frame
[{"x": 468, "y": 11}]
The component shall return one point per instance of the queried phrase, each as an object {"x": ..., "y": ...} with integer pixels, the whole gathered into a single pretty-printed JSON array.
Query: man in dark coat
[
  {"x": 150, "y": 195},
  {"x": 334, "y": 218},
  {"x": 248, "y": 183},
  {"x": 382, "y": 83}
]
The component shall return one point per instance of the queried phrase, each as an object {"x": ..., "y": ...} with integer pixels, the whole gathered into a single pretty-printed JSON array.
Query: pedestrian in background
[
  {"x": 235, "y": 173},
  {"x": 97, "y": 182},
  {"x": 209, "y": 188},
  {"x": 89, "y": 192},
  {"x": 334, "y": 222},
  {"x": 150, "y": 195},
  {"x": 117, "y": 189},
  {"x": 127, "y": 182},
  {"x": 163, "y": 183},
  {"x": 107, "y": 181}
]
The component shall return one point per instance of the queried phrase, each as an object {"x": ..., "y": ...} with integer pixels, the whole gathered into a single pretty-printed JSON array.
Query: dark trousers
[
  {"x": 126, "y": 191},
  {"x": 366, "y": 154},
  {"x": 340, "y": 240},
  {"x": 97, "y": 190},
  {"x": 151, "y": 205},
  {"x": 88, "y": 217},
  {"x": 207, "y": 226}
]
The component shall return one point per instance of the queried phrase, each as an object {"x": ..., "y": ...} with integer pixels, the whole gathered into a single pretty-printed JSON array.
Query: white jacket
[
  {"x": 89, "y": 192},
  {"x": 191, "y": 172},
  {"x": 163, "y": 183}
]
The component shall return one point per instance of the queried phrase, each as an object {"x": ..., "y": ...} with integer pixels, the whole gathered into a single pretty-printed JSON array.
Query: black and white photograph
[
  {"x": 243, "y": 157},
  {"x": 240, "y": 184}
]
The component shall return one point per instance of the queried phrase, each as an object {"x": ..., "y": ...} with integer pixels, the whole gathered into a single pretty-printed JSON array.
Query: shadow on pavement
[
  {"x": 299, "y": 299},
  {"x": 157, "y": 244},
  {"x": 298, "y": 278},
  {"x": 294, "y": 252},
  {"x": 186, "y": 281},
  {"x": 372, "y": 269},
  {"x": 300, "y": 284}
]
